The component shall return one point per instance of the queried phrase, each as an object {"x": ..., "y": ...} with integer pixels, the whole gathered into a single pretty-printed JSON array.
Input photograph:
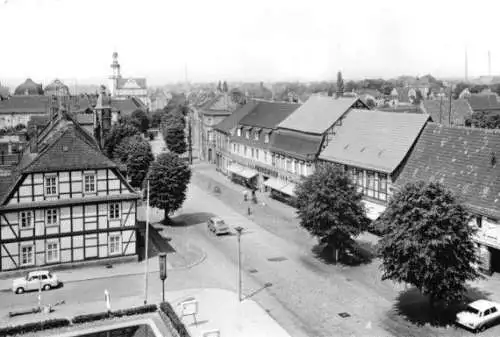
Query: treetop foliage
[
  {"x": 117, "y": 134},
  {"x": 428, "y": 242}
]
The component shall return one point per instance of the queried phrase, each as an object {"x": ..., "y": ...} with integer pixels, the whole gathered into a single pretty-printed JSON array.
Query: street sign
[{"x": 162, "y": 258}]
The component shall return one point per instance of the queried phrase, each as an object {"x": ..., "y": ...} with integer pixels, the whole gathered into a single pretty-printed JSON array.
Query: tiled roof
[
  {"x": 317, "y": 114},
  {"x": 268, "y": 114},
  {"x": 69, "y": 151},
  {"x": 232, "y": 120},
  {"x": 128, "y": 106},
  {"x": 85, "y": 119},
  {"x": 439, "y": 110},
  {"x": 480, "y": 102},
  {"x": 466, "y": 160},
  {"x": 131, "y": 83},
  {"x": 375, "y": 140},
  {"x": 296, "y": 144},
  {"x": 25, "y": 104},
  {"x": 39, "y": 120},
  {"x": 5, "y": 183},
  {"x": 402, "y": 108}
]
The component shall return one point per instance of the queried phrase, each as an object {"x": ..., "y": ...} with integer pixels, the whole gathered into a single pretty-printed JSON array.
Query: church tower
[{"x": 113, "y": 79}]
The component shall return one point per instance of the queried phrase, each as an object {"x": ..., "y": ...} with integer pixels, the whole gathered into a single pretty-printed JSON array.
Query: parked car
[
  {"x": 479, "y": 315},
  {"x": 217, "y": 226},
  {"x": 41, "y": 279}
]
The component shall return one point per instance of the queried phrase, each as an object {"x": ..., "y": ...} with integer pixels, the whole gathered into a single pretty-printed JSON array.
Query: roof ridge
[{"x": 461, "y": 127}]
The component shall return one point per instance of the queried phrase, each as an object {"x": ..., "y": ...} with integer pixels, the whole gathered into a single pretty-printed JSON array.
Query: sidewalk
[
  {"x": 217, "y": 310},
  {"x": 220, "y": 310}
]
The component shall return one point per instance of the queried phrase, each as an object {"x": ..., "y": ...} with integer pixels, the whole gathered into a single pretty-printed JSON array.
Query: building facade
[
  {"x": 122, "y": 88},
  {"x": 20, "y": 109},
  {"x": 371, "y": 146},
  {"x": 66, "y": 203},
  {"x": 465, "y": 161}
]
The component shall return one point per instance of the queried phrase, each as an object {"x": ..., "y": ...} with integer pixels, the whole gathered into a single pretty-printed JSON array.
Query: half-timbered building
[{"x": 65, "y": 203}]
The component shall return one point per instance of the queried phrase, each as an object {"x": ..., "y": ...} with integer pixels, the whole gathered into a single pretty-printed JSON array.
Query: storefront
[
  {"x": 282, "y": 191},
  {"x": 244, "y": 176}
]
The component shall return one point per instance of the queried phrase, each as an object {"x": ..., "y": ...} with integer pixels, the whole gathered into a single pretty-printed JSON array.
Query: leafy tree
[
  {"x": 476, "y": 89},
  {"x": 459, "y": 87},
  {"x": 330, "y": 91},
  {"x": 418, "y": 98},
  {"x": 428, "y": 242},
  {"x": 484, "y": 120},
  {"x": 219, "y": 86},
  {"x": 224, "y": 87},
  {"x": 168, "y": 177},
  {"x": 140, "y": 120},
  {"x": 135, "y": 152},
  {"x": 340, "y": 85},
  {"x": 173, "y": 130},
  {"x": 330, "y": 208},
  {"x": 116, "y": 135},
  {"x": 351, "y": 86},
  {"x": 371, "y": 103}
]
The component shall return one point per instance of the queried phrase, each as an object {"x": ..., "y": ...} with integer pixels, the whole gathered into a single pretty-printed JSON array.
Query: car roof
[
  {"x": 216, "y": 219},
  {"x": 37, "y": 272},
  {"x": 482, "y": 304}
]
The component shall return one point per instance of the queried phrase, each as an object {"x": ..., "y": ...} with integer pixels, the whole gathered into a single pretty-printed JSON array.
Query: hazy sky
[{"x": 254, "y": 40}]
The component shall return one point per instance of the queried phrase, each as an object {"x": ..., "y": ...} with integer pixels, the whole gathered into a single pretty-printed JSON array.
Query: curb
[{"x": 191, "y": 265}]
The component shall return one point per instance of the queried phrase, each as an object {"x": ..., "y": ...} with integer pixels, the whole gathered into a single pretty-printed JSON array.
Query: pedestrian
[
  {"x": 245, "y": 195},
  {"x": 254, "y": 196}
]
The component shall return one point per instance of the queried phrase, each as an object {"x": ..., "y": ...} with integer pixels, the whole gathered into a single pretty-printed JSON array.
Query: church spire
[{"x": 115, "y": 75}]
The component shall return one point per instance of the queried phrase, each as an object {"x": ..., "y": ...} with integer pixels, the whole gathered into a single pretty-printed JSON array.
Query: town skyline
[{"x": 267, "y": 42}]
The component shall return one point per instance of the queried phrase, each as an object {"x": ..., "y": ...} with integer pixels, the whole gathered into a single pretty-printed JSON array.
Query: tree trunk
[
  {"x": 165, "y": 221},
  {"x": 336, "y": 255}
]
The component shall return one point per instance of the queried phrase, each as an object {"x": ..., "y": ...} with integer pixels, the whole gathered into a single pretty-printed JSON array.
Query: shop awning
[
  {"x": 289, "y": 189},
  {"x": 274, "y": 183},
  {"x": 244, "y": 172}
]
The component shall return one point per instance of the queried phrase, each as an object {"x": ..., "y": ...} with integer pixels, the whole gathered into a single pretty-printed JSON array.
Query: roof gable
[
  {"x": 317, "y": 114},
  {"x": 375, "y": 140},
  {"x": 70, "y": 151},
  {"x": 131, "y": 83},
  {"x": 466, "y": 160},
  {"x": 231, "y": 121},
  {"x": 268, "y": 114}
]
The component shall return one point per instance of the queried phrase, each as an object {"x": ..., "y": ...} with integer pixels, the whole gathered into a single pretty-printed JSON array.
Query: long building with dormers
[{"x": 66, "y": 202}]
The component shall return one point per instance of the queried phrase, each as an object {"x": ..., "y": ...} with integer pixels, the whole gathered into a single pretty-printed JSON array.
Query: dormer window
[
  {"x": 239, "y": 132},
  {"x": 266, "y": 138},
  {"x": 256, "y": 135},
  {"x": 247, "y": 134}
]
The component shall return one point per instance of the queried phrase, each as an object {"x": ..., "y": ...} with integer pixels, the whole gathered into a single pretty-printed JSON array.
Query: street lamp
[
  {"x": 239, "y": 229},
  {"x": 162, "y": 258}
]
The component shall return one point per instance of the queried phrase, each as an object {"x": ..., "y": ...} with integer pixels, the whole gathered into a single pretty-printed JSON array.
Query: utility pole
[
  {"x": 239, "y": 229},
  {"x": 441, "y": 110},
  {"x": 449, "y": 113},
  {"x": 146, "y": 248},
  {"x": 190, "y": 140}
]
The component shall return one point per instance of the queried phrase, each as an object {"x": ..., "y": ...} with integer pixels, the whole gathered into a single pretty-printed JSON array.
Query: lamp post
[
  {"x": 162, "y": 259},
  {"x": 239, "y": 229},
  {"x": 146, "y": 271}
]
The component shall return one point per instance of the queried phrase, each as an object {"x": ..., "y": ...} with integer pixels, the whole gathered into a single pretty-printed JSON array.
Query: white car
[
  {"x": 41, "y": 279},
  {"x": 218, "y": 226},
  {"x": 479, "y": 315}
]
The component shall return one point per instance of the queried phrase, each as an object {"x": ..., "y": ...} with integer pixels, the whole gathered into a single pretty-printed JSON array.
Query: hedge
[
  {"x": 35, "y": 326},
  {"x": 167, "y": 309},
  {"x": 90, "y": 317},
  {"x": 135, "y": 311}
]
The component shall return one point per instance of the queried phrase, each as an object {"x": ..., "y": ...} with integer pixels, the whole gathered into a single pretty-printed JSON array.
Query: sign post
[
  {"x": 239, "y": 229},
  {"x": 162, "y": 259}
]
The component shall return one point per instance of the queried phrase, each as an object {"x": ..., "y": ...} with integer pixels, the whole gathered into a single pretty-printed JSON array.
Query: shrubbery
[
  {"x": 90, "y": 317},
  {"x": 34, "y": 327},
  {"x": 167, "y": 309}
]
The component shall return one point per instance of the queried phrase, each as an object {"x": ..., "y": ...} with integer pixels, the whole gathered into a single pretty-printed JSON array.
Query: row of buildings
[
  {"x": 269, "y": 146},
  {"x": 65, "y": 201}
]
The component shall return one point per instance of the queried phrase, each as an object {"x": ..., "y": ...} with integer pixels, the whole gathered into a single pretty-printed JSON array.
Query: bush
[
  {"x": 167, "y": 309},
  {"x": 34, "y": 327},
  {"x": 151, "y": 135},
  {"x": 90, "y": 317},
  {"x": 135, "y": 311}
]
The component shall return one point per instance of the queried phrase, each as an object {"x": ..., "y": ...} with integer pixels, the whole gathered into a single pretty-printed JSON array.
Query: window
[
  {"x": 493, "y": 310},
  {"x": 26, "y": 219},
  {"x": 257, "y": 154},
  {"x": 289, "y": 165},
  {"x": 51, "y": 185},
  {"x": 273, "y": 160},
  {"x": 27, "y": 255},
  {"x": 252, "y": 152},
  {"x": 247, "y": 134},
  {"x": 238, "y": 132},
  {"x": 360, "y": 183},
  {"x": 234, "y": 148},
  {"x": 89, "y": 183},
  {"x": 370, "y": 183},
  {"x": 256, "y": 135},
  {"x": 266, "y": 138},
  {"x": 245, "y": 151},
  {"x": 52, "y": 252},
  {"x": 297, "y": 170},
  {"x": 115, "y": 244},
  {"x": 479, "y": 221},
  {"x": 114, "y": 211},
  {"x": 265, "y": 156},
  {"x": 382, "y": 195},
  {"x": 51, "y": 217}
]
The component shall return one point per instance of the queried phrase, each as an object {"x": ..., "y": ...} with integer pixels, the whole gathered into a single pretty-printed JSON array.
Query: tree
[
  {"x": 116, "y": 135},
  {"x": 418, "y": 98},
  {"x": 168, "y": 177},
  {"x": 330, "y": 91},
  {"x": 135, "y": 152},
  {"x": 428, "y": 242},
  {"x": 224, "y": 87},
  {"x": 351, "y": 86},
  {"x": 340, "y": 85},
  {"x": 173, "y": 130},
  {"x": 140, "y": 120},
  {"x": 219, "y": 87},
  {"x": 459, "y": 88},
  {"x": 330, "y": 208},
  {"x": 371, "y": 103},
  {"x": 485, "y": 120}
]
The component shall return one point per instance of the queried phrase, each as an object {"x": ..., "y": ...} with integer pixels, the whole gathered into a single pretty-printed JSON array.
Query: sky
[{"x": 258, "y": 40}]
